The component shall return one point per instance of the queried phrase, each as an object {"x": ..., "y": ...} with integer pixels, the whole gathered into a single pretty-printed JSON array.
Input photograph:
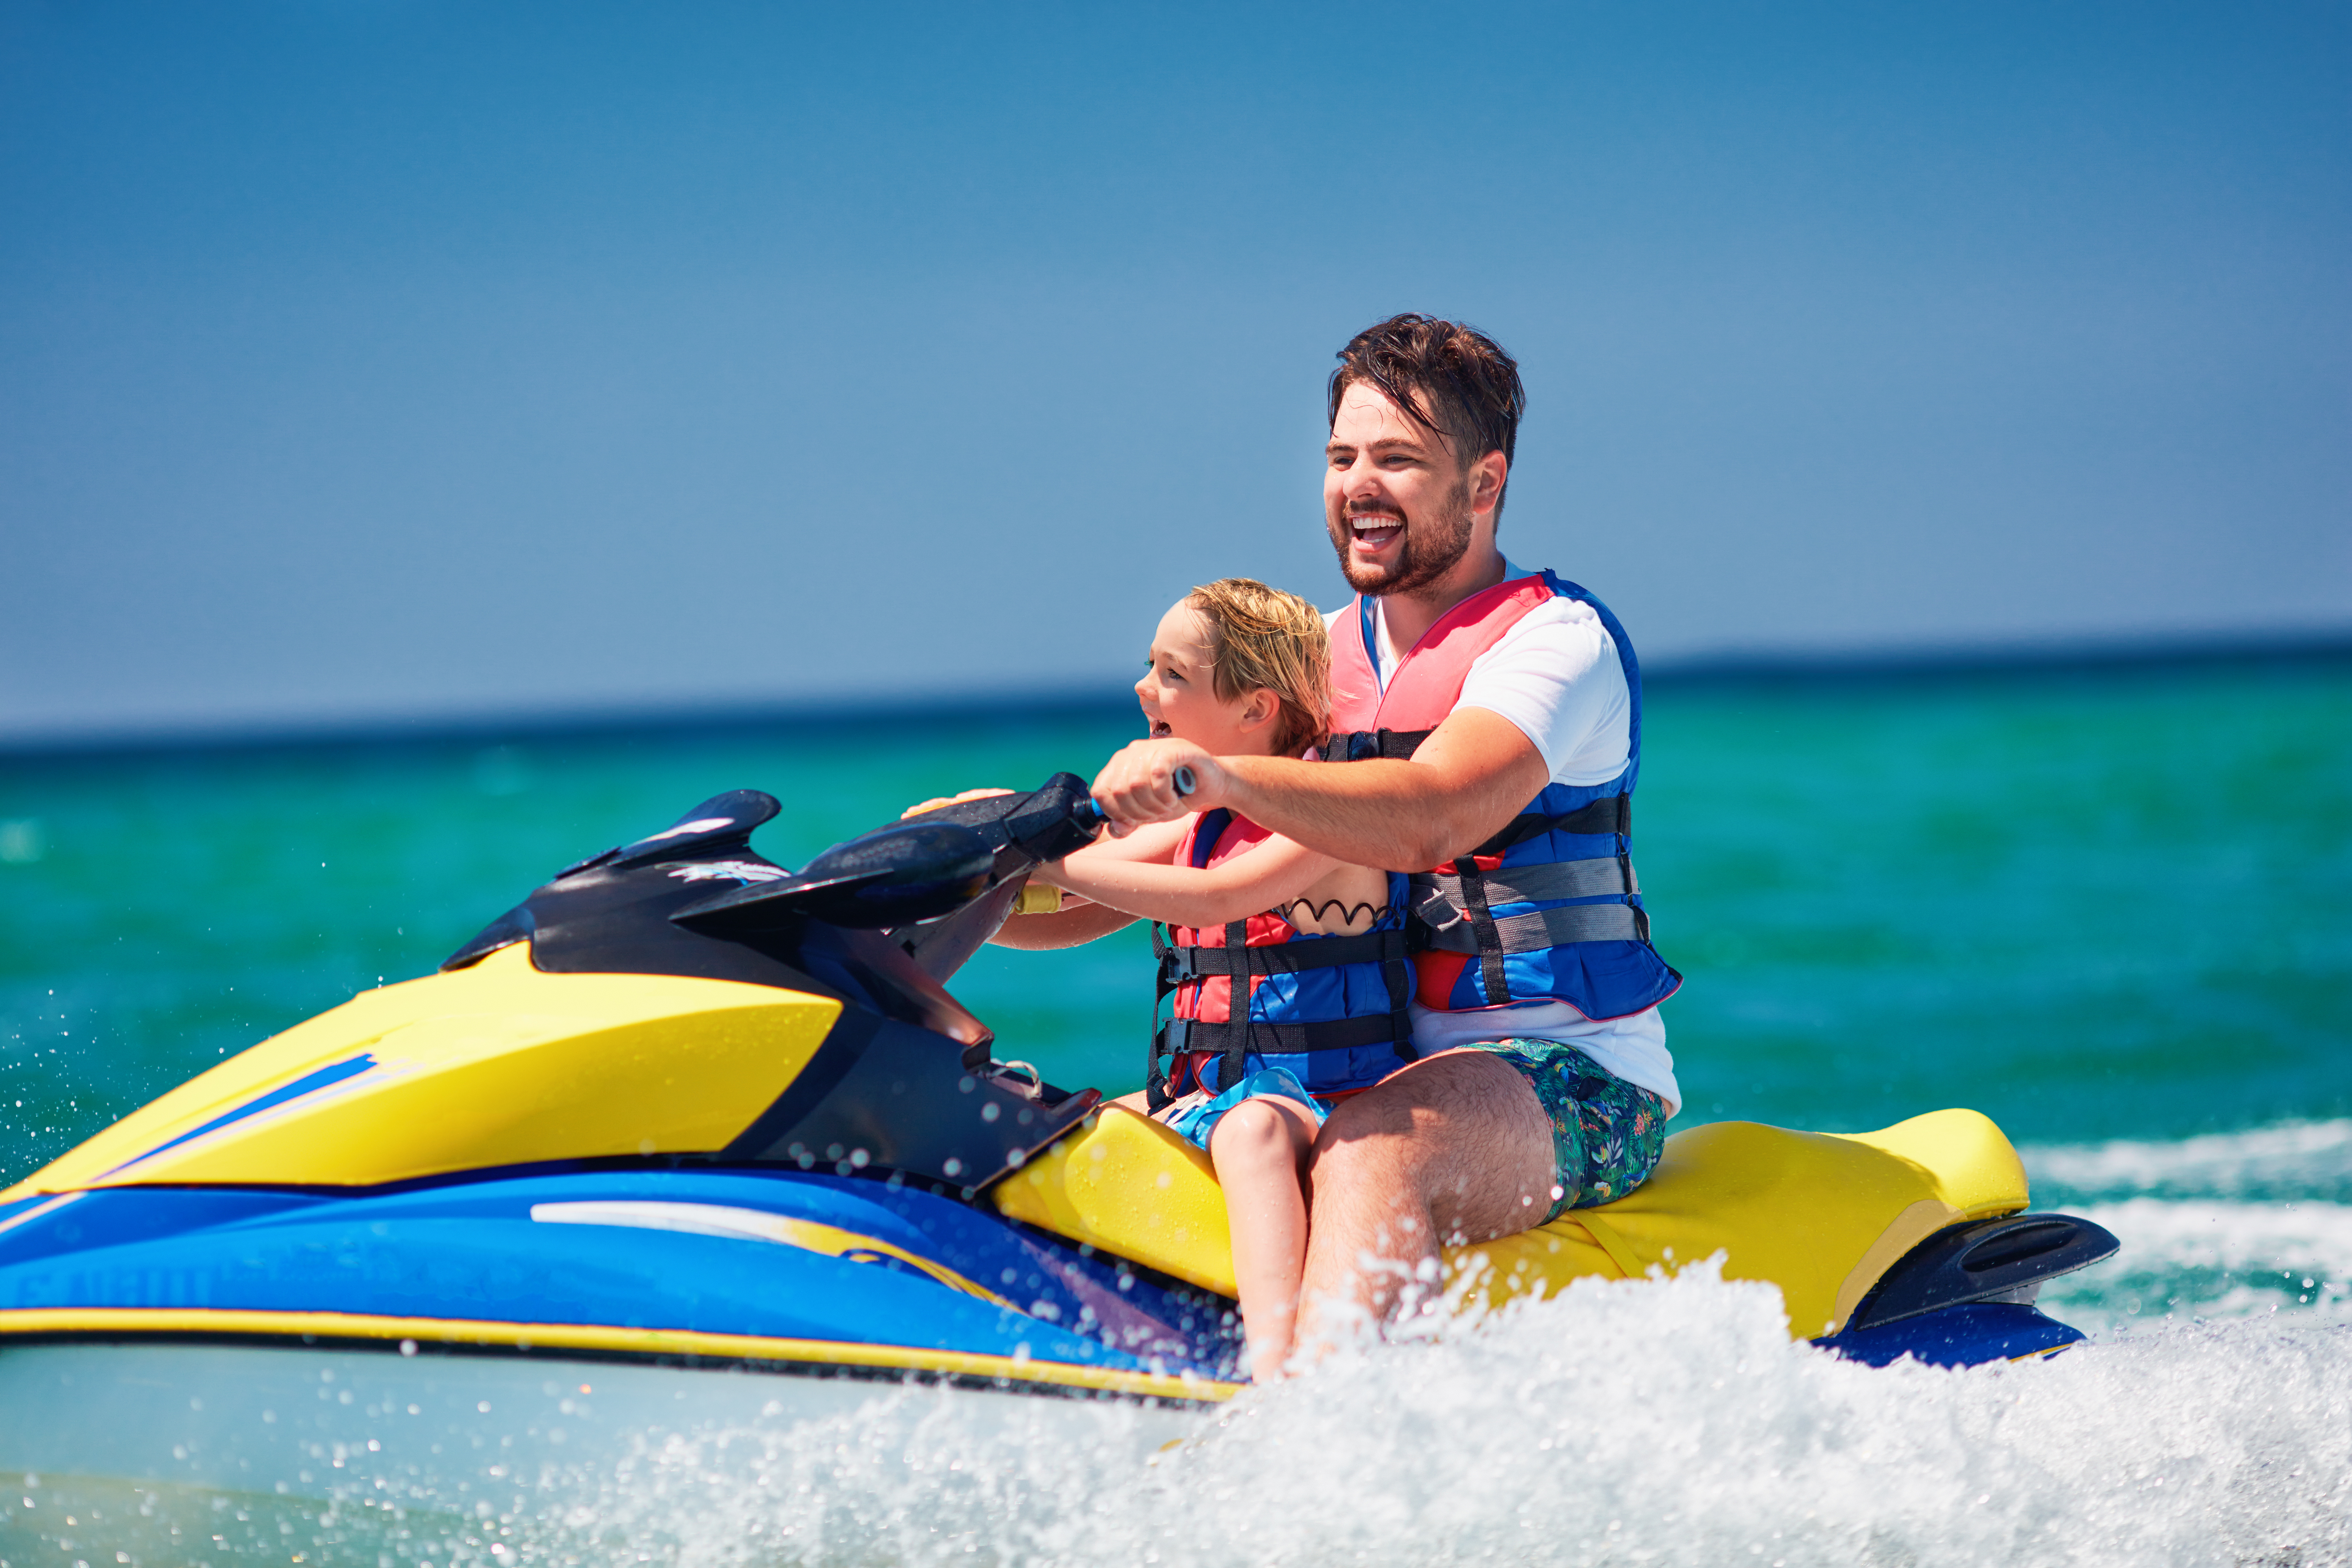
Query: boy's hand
[{"x": 1139, "y": 784}]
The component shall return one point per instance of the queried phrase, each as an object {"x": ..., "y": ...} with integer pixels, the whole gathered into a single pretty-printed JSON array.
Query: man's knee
[
  {"x": 1463, "y": 1133},
  {"x": 1422, "y": 1102},
  {"x": 1363, "y": 1123},
  {"x": 1367, "y": 1150}
]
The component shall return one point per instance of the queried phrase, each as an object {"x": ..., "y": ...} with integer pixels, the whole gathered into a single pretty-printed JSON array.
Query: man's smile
[{"x": 1376, "y": 528}]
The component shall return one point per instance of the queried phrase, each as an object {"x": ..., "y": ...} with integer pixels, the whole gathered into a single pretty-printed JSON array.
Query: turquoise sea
[
  {"x": 2094, "y": 904},
  {"x": 2111, "y": 907}
]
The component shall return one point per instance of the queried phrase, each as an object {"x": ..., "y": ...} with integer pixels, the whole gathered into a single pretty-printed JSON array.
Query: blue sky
[{"x": 369, "y": 360}]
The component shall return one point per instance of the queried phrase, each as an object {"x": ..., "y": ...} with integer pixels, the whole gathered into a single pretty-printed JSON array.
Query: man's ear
[{"x": 1487, "y": 477}]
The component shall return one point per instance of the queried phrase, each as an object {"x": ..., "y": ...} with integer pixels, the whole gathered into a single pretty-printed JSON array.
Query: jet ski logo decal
[
  {"x": 703, "y": 825},
  {"x": 742, "y": 870}
]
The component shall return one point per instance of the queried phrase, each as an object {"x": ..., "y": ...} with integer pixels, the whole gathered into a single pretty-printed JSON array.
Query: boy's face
[{"x": 1179, "y": 690}]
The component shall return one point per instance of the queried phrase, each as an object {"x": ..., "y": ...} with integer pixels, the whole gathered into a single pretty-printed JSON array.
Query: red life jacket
[
  {"x": 1330, "y": 1009},
  {"x": 1548, "y": 906}
]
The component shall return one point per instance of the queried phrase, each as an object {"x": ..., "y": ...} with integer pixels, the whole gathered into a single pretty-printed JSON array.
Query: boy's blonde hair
[{"x": 1265, "y": 637}]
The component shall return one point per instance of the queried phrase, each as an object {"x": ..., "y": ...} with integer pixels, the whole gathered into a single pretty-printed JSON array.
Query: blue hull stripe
[
  {"x": 309, "y": 1083},
  {"x": 473, "y": 1251}
]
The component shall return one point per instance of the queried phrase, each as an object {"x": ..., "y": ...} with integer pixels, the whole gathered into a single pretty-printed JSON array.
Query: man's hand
[
  {"x": 1467, "y": 781},
  {"x": 1139, "y": 784}
]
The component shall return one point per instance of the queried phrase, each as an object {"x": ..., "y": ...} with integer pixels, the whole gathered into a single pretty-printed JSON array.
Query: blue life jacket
[
  {"x": 1548, "y": 907},
  {"x": 1332, "y": 1009}
]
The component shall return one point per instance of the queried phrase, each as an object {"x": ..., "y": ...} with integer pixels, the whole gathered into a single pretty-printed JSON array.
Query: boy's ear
[{"x": 1260, "y": 710}]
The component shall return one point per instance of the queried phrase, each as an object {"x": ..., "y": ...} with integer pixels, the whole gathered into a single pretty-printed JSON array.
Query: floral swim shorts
[{"x": 1606, "y": 1134}]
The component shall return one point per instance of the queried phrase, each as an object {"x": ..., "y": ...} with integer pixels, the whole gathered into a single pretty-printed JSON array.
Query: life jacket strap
[
  {"x": 1178, "y": 965},
  {"x": 1439, "y": 896},
  {"x": 1454, "y": 911},
  {"x": 1485, "y": 941},
  {"x": 1534, "y": 931},
  {"x": 1609, "y": 813},
  {"x": 1364, "y": 745},
  {"x": 1453, "y": 908},
  {"x": 1156, "y": 1096},
  {"x": 1233, "y": 1039}
]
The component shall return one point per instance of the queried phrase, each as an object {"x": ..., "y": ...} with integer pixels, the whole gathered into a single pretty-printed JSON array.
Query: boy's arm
[
  {"x": 1069, "y": 928},
  {"x": 1274, "y": 872},
  {"x": 1158, "y": 842}
]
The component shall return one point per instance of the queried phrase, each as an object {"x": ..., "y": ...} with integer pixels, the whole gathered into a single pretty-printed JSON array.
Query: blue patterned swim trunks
[{"x": 1606, "y": 1133}]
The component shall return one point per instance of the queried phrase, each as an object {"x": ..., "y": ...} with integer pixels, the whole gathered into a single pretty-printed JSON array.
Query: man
[{"x": 1496, "y": 721}]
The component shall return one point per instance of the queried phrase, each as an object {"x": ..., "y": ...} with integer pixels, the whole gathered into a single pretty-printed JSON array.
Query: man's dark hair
[{"x": 1449, "y": 378}]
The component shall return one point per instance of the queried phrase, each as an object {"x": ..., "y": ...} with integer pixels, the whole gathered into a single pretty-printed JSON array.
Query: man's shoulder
[
  {"x": 1559, "y": 610},
  {"x": 1559, "y": 628},
  {"x": 1557, "y": 647}
]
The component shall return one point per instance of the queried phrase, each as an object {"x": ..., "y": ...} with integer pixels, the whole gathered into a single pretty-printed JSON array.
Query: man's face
[{"x": 1396, "y": 501}]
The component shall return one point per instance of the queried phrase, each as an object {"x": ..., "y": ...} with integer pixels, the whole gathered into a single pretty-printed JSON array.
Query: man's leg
[{"x": 1454, "y": 1148}]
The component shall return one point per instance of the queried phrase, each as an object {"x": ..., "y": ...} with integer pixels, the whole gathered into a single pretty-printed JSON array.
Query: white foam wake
[
  {"x": 2284, "y": 1162},
  {"x": 2229, "y": 1225},
  {"x": 1664, "y": 1422},
  {"x": 2211, "y": 1261},
  {"x": 1667, "y": 1421},
  {"x": 1652, "y": 1422}
]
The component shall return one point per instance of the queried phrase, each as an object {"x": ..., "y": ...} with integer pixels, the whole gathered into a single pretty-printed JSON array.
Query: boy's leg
[{"x": 1259, "y": 1149}]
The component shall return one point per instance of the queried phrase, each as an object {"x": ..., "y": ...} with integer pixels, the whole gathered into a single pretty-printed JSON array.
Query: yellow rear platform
[{"x": 1820, "y": 1215}]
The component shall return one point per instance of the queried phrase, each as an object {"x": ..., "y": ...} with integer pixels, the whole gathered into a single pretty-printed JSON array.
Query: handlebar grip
[{"x": 1087, "y": 814}]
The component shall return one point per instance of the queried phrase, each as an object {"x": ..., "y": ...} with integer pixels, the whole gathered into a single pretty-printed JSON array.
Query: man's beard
[{"x": 1427, "y": 547}]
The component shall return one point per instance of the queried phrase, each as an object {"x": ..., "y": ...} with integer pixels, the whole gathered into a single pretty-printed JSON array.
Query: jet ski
[{"x": 689, "y": 1133}]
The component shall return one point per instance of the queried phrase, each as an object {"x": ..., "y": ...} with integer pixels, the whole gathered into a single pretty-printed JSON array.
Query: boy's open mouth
[{"x": 1159, "y": 729}]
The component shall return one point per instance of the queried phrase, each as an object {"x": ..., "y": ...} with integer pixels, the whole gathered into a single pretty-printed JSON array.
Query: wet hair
[
  {"x": 1448, "y": 378},
  {"x": 1265, "y": 637}
]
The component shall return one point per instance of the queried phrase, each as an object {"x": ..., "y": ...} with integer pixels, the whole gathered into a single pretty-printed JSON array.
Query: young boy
[{"x": 1291, "y": 984}]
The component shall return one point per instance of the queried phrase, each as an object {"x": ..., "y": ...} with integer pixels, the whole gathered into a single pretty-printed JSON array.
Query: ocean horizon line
[{"x": 1724, "y": 668}]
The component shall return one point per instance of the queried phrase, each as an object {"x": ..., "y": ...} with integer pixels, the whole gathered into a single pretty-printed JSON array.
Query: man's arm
[{"x": 1473, "y": 774}]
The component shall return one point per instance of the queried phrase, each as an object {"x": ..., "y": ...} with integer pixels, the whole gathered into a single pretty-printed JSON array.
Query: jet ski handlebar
[
  {"x": 1087, "y": 815},
  {"x": 926, "y": 869}
]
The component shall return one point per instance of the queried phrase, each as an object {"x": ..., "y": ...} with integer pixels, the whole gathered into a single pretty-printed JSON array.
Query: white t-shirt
[{"x": 1555, "y": 675}]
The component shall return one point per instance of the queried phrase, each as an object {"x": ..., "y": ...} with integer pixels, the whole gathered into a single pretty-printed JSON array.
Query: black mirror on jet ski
[
  {"x": 945, "y": 862},
  {"x": 941, "y": 883}
]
